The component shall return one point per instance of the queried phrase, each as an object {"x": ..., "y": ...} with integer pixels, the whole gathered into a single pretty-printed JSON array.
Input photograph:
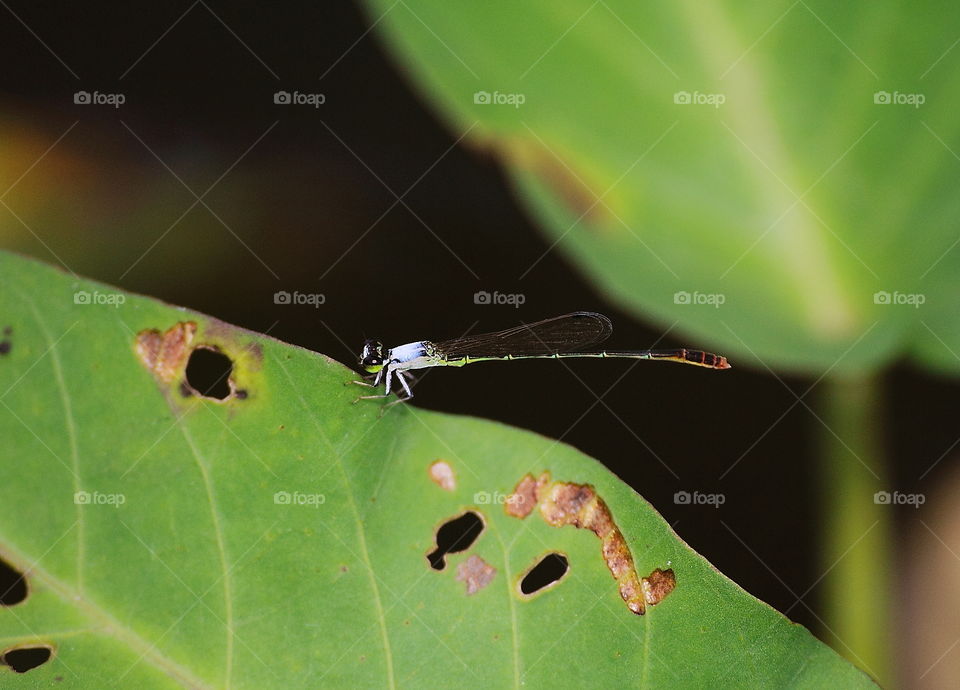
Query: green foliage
[{"x": 796, "y": 199}]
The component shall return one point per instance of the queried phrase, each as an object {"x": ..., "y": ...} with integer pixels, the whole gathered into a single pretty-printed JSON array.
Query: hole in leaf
[
  {"x": 208, "y": 373},
  {"x": 454, "y": 536},
  {"x": 13, "y": 588},
  {"x": 549, "y": 570},
  {"x": 26, "y": 658}
]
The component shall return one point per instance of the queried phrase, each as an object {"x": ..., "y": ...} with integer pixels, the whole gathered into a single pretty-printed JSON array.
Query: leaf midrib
[{"x": 365, "y": 552}]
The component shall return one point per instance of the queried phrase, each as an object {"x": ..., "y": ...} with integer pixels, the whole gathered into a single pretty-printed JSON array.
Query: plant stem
[{"x": 856, "y": 539}]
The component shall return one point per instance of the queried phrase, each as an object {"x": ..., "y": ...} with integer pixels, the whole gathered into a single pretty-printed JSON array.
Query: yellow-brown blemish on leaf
[
  {"x": 526, "y": 495},
  {"x": 565, "y": 177},
  {"x": 245, "y": 353},
  {"x": 169, "y": 356},
  {"x": 442, "y": 475},
  {"x": 165, "y": 354},
  {"x": 523, "y": 499},
  {"x": 566, "y": 503},
  {"x": 657, "y": 585},
  {"x": 476, "y": 573}
]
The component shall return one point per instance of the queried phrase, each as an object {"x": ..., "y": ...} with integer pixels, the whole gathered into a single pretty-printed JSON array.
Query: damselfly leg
[{"x": 401, "y": 377}]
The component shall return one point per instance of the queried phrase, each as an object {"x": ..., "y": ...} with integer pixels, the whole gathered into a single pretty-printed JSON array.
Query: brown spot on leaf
[
  {"x": 256, "y": 352},
  {"x": 476, "y": 573},
  {"x": 580, "y": 201},
  {"x": 6, "y": 345},
  {"x": 524, "y": 497},
  {"x": 565, "y": 177},
  {"x": 571, "y": 504},
  {"x": 442, "y": 475},
  {"x": 566, "y": 503},
  {"x": 165, "y": 354},
  {"x": 199, "y": 369},
  {"x": 657, "y": 585}
]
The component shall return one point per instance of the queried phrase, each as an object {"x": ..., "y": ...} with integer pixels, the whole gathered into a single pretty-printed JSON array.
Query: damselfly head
[{"x": 372, "y": 357}]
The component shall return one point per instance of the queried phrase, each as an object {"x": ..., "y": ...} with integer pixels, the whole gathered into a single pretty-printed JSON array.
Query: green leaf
[
  {"x": 279, "y": 537},
  {"x": 796, "y": 200}
]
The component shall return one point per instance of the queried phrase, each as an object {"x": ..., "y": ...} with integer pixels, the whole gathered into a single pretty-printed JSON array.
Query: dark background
[{"x": 299, "y": 199}]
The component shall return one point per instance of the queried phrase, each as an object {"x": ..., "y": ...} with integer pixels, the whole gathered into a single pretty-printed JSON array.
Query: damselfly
[{"x": 558, "y": 338}]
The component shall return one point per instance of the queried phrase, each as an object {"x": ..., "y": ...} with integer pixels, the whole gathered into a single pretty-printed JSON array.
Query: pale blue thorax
[
  {"x": 403, "y": 358},
  {"x": 410, "y": 356}
]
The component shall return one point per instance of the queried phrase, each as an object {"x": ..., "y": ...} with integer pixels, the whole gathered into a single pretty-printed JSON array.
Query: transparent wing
[{"x": 567, "y": 333}]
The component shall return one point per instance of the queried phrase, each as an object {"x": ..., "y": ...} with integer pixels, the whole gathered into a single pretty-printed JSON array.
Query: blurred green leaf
[
  {"x": 796, "y": 199},
  {"x": 159, "y": 553}
]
